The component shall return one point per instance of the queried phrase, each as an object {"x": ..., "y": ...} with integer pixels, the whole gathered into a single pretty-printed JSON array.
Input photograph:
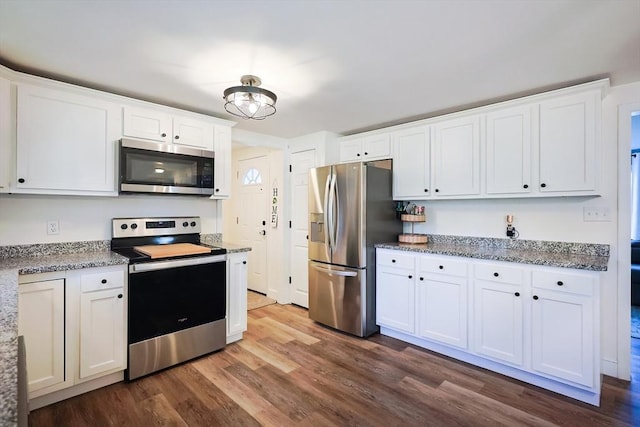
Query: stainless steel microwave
[{"x": 150, "y": 167}]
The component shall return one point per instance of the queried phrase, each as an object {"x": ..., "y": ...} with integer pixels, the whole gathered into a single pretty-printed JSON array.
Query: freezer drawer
[{"x": 338, "y": 298}]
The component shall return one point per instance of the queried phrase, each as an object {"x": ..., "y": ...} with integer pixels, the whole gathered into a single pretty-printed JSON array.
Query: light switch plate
[{"x": 590, "y": 214}]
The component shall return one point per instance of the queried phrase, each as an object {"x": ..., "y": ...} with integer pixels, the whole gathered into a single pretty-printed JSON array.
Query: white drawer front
[
  {"x": 443, "y": 265},
  {"x": 581, "y": 284},
  {"x": 499, "y": 273},
  {"x": 395, "y": 259},
  {"x": 102, "y": 280}
]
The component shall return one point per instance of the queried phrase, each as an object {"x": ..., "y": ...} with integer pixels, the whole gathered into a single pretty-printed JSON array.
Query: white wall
[{"x": 23, "y": 218}]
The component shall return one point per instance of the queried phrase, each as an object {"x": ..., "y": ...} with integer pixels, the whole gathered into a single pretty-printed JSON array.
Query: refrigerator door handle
[
  {"x": 325, "y": 209},
  {"x": 330, "y": 211},
  {"x": 335, "y": 272}
]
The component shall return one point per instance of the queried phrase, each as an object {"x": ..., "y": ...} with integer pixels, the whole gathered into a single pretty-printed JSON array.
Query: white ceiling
[{"x": 341, "y": 66}]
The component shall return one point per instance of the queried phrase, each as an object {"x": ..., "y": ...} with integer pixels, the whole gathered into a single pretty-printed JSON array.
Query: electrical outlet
[
  {"x": 53, "y": 227},
  {"x": 596, "y": 214}
]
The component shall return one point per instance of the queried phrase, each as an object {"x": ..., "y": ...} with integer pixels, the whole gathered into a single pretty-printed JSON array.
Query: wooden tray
[
  {"x": 413, "y": 218},
  {"x": 413, "y": 238},
  {"x": 171, "y": 250}
]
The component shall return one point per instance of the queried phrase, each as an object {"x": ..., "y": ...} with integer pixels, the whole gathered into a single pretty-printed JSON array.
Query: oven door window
[
  {"x": 152, "y": 168},
  {"x": 166, "y": 301}
]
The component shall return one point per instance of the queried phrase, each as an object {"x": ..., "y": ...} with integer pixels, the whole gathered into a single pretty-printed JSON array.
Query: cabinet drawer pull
[
  {"x": 441, "y": 267},
  {"x": 426, "y": 190},
  {"x": 543, "y": 185},
  {"x": 535, "y": 297},
  {"x": 410, "y": 277},
  {"x": 103, "y": 281},
  {"x": 393, "y": 260},
  {"x": 496, "y": 274},
  {"x": 366, "y": 154},
  {"x": 422, "y": 278},
  {"x": 119, "y": 295},
  {"x": 177, "y": 137},
  {"x": 163, "y": 134},
  {"x": 560, "y": 283},
  {"x": 517, "y": 294}
]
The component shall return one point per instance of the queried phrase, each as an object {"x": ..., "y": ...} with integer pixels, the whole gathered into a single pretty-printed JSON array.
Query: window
[{"x": 252, "y": 177}]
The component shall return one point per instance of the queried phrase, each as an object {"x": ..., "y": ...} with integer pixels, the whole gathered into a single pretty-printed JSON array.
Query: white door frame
[{"x": 624, "y": 236}]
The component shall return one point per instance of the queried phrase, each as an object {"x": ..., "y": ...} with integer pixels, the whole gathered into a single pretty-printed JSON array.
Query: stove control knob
[
  {"x": 124, "y": 226},
  {"x": 193, "y": 223},
  {"x": 185, "y": 224},
  {"x": 134, "y": 226}
]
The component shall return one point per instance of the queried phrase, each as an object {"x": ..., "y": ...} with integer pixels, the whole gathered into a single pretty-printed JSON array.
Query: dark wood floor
[{"x": 290, "y": 371}]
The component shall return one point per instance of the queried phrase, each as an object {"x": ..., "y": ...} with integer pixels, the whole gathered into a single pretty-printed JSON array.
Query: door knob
[{"x": 262, "y": 233}]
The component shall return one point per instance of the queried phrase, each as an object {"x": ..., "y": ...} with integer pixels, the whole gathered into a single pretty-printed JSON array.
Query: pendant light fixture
[{"x": 250, "y": 101}]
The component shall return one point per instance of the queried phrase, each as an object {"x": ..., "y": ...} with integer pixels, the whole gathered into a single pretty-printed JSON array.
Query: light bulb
[{"x": 253, "y": 107}]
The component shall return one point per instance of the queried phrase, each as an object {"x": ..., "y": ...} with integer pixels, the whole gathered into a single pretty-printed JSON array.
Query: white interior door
[
  {"x": 301, "y": 162},
  {"x": 252, "y": 217}
]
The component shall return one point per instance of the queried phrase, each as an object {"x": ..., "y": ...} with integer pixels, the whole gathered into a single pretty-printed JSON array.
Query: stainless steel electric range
[{"x": 177, "y": 292}]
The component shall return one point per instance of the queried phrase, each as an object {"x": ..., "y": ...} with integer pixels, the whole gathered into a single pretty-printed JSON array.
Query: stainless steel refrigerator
[{"x": 350, "y": 210}]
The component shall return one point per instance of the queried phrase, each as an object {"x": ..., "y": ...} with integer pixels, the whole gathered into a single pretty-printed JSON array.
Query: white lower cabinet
[
  {"x": 74, "y": 326},
  {"x": 537, "y": 324},
  {"x": 236, "y": 295},
  {"x": 441, "y": 304},
  {"x": 563, "y": 324},
  {"x": 102, "y": 319},
  {"x": 395, "y": 291},
  {"x": 41, "y": 322}
]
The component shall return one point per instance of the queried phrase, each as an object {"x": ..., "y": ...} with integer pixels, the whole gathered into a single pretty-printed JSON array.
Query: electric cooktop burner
[{"x": 129, "y": 233}]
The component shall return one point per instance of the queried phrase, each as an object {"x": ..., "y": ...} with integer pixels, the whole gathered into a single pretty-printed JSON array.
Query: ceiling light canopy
[{"x": 250, "y": 101}]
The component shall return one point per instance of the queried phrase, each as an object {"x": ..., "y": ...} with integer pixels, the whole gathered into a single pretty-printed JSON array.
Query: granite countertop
[
  {"x": 583, "y": 256},
  {"x": 30, "y": 259},
  {"x": 43, "y": 258}
]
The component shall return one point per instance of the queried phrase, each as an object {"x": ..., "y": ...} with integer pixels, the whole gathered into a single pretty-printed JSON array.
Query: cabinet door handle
[
  {"x": 366, "y": 154},
  {"x": 525, "y": 186},
  {"x": 119, "y": 296},
  {"x": 517, "y": 294},
  {"x": 535, "y": 297},
  {"x": 543, "y": 185},
  {"x": 426, "y": 190},
  {"x": 441, "y": 267},
  {"x": 496, "y": 274},
  {"x": 393, "y": 260},
  {"x": 560, "y": 283},
  {"x": 244, "y": 262},
  {"x": 437, "y": 190},
  {"x": 21, "y": 180},
  {"x": 177, "y": 137},
  {"x": 103, "y": 281},
  {"x": 422, "y": 278},
  {"x": 163, "y": 134},
  {"x": 410, "y": 277},
  {"x": 217, "y": 190},
  {"x": 358, "y": 154}
]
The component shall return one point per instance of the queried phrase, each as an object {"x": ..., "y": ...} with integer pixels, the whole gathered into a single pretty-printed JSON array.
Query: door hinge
[
  {"x": 237, "y": 220},
  {"x": 290, "y": 168},
  {"x": 289, "y": 279}
]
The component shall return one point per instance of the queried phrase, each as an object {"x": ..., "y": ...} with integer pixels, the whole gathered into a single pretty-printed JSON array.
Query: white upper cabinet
[
  {"x": 159, "y": 125},
  {"x": 370, "y": 147},
  {"x": 508, "y": 151},
  {"x": 568, "y": 129},
  {"x": 222, "y": 162},
  {"x": 65, "y": 142},
  {"x": 5, "y": 134},
  {"x": 456, "y": 157},
  {"x": 412, "y": 156}
]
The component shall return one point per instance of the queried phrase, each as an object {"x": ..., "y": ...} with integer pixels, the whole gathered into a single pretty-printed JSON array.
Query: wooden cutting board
[{"x": 171, "y": 250}]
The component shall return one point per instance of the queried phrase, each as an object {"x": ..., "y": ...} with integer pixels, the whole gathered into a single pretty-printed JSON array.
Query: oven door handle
[{"x": 163, "y": 265}]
